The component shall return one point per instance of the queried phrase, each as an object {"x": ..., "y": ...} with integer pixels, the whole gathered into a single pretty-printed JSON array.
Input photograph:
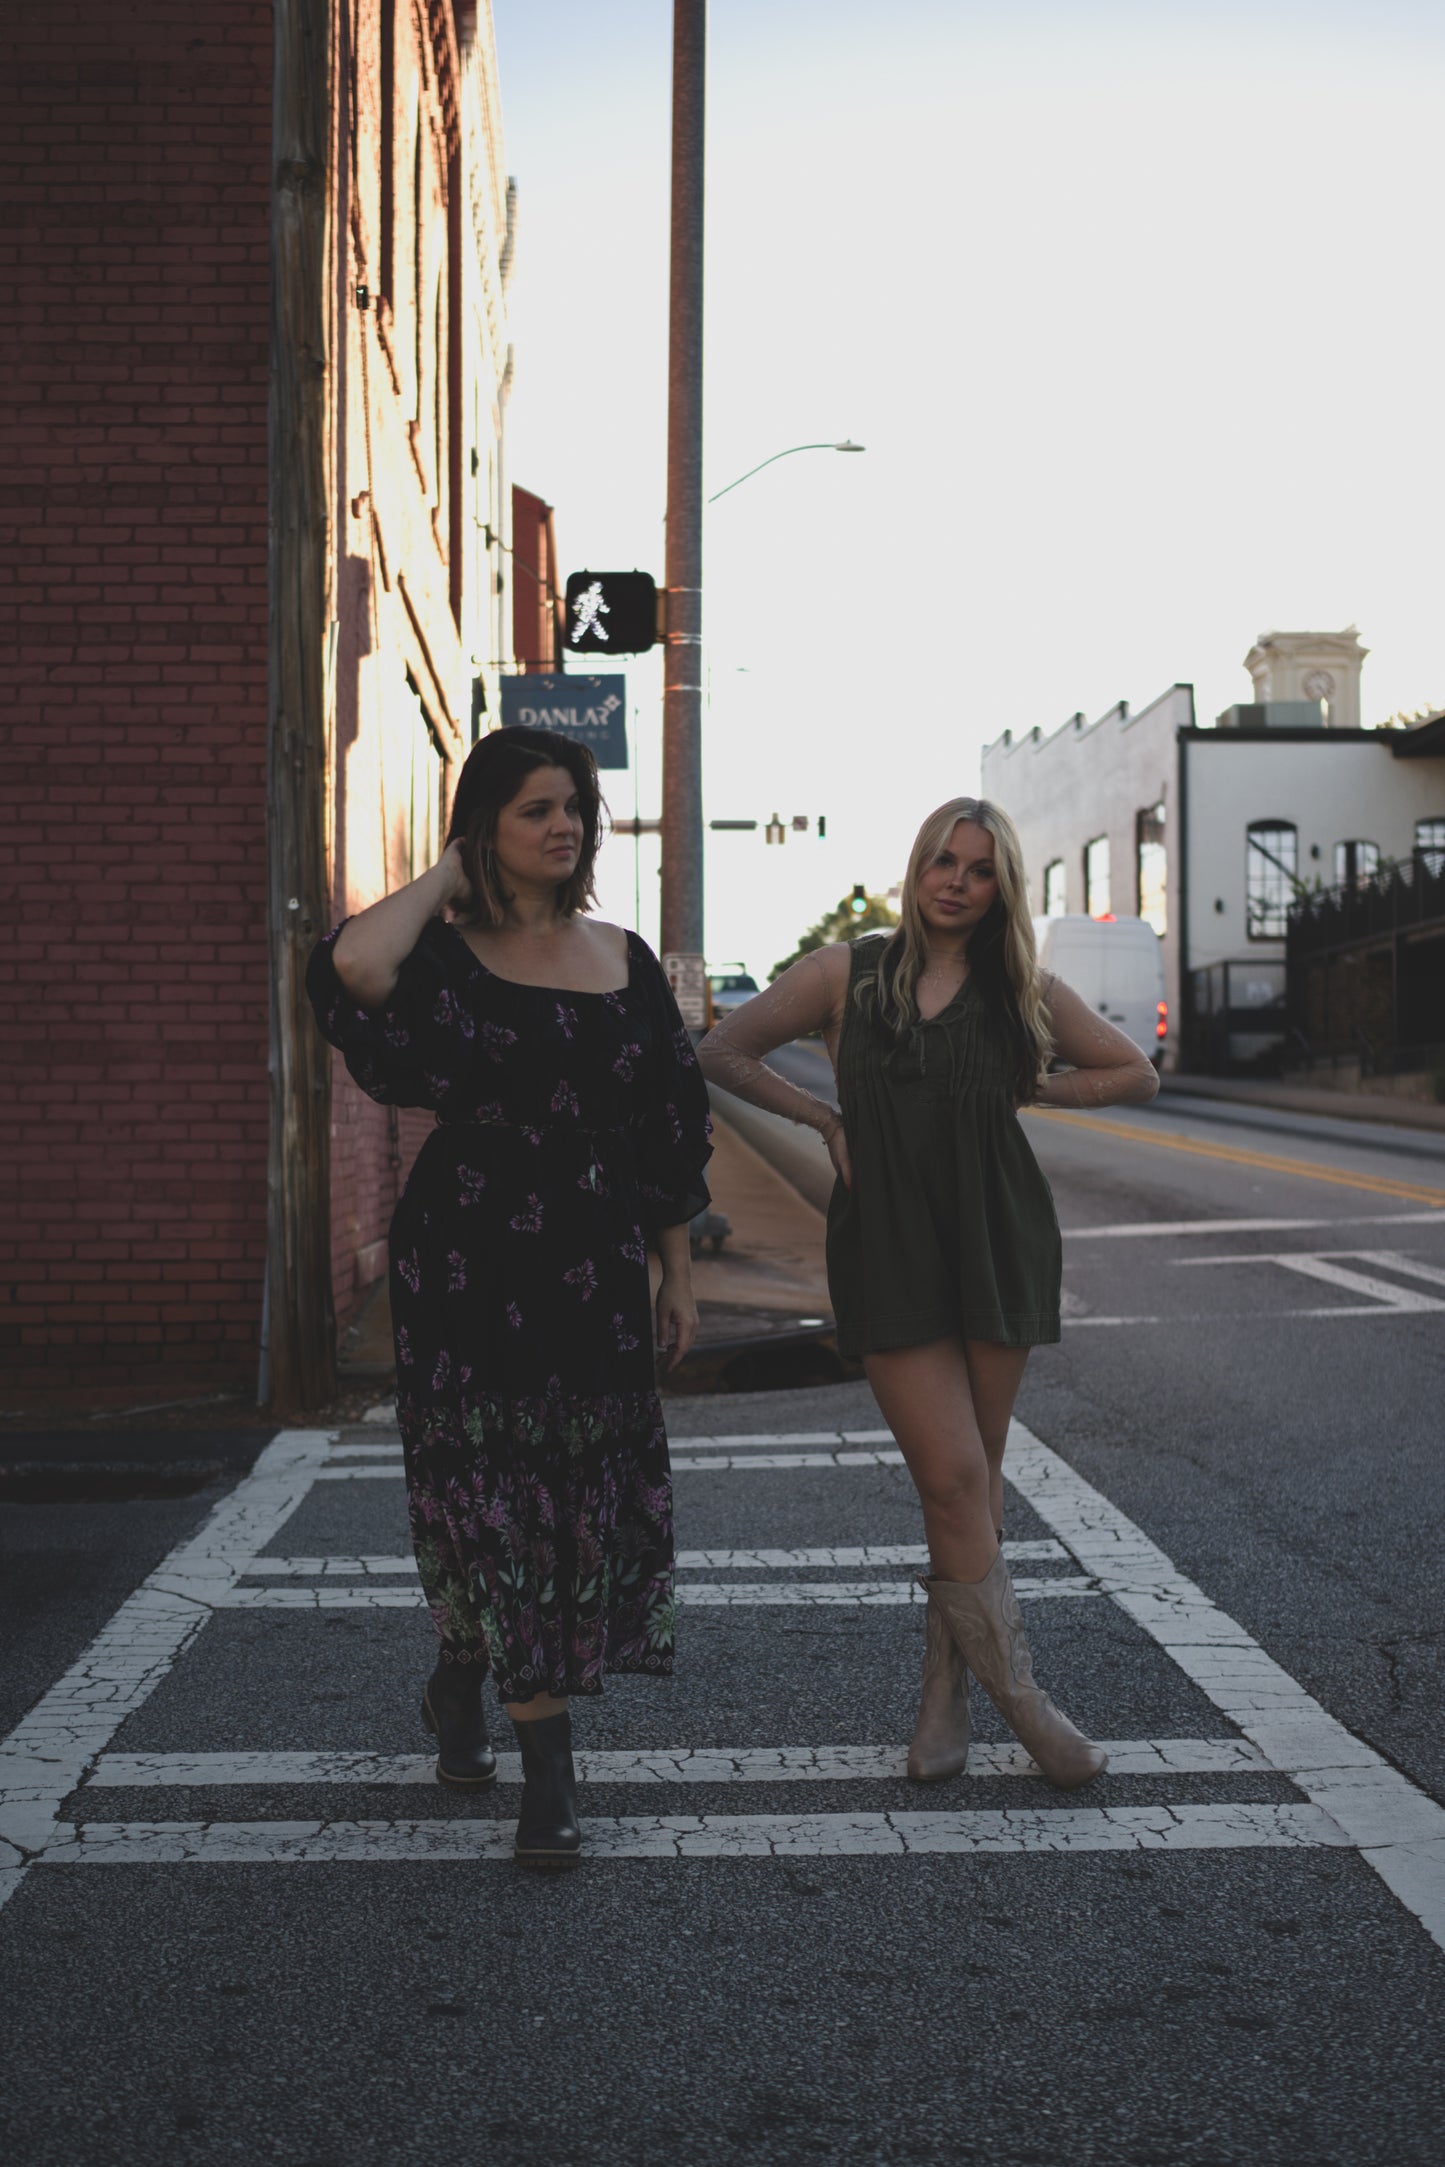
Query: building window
[
  {"x": 1355, "y": 862},
  {"x": 1055, "y": 889},
  {"x": 1430, "y": 842},
  {"x": 1096, "y": 877},
  {"x": 1153, "y": 866},
  {"x": 1270, "y": 885}
]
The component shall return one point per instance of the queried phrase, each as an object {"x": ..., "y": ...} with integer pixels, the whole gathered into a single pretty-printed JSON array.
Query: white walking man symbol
[{"x": 588, "y": 611}]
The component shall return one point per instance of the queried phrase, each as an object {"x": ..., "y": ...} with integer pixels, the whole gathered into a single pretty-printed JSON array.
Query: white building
[{"x": 1211, "y": 832}]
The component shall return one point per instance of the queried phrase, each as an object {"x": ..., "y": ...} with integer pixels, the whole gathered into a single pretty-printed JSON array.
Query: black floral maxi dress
[{"x": 569, "y": 1126}]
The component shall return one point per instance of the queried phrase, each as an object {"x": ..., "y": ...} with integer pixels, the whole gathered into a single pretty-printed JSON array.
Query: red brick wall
[{"x": 134, "y": 245}]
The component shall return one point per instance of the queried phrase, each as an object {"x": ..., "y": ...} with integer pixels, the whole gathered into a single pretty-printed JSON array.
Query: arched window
[
  {"x": 1096, "y": 877},
  {"x": 1355, "y": 862},
  {"x": 1055, "y": 891},
  {"x": 1153, "y": 865},
  {"x": 1271, "y": 859}
]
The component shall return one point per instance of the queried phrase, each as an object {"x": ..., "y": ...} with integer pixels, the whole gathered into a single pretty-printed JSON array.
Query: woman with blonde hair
[{"x": 944, "y": 1257}]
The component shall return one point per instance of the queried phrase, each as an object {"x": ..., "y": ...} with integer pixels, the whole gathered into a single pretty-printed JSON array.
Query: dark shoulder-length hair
[{"x": 496, "y": 771}]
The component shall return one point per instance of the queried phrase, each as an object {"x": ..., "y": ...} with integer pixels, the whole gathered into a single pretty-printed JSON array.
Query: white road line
[
  {"x": 322, "y": 1568},
  {"x": 50, "y": 1749},
  {"x": 723, "y": 1462},
  {"x": 1135, "y": 1228},
  {"x": 385, "y": 1462},
  {"x": 688, "y": 1561},
  {"x": 1331, "y": 1275},
  {"x": 1399, "y": 1830},
  {"x": 717, "y": 1463},
  {"x": 1392, "y": 1260},
  {"x": 691, "y": 1594},
  {"x": 720, "y": 1764},
  {"x": 366, "y": 1473},
  {"x": 790, "y": 1440},
  {"x": 677, "y": 1836},
  {"x": 1076, "y": 1323}
]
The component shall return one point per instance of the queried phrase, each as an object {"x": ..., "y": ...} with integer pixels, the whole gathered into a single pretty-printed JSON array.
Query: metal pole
[
  {"x": 682, "y": 679},
  {"x": 299, "y": 1326}
]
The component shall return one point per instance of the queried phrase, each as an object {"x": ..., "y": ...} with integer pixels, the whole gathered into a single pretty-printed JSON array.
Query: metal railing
[{"x": 1401, "y": 894}]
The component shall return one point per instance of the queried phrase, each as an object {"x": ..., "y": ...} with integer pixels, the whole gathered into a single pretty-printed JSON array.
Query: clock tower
[{"x": 1311, "y": 666}]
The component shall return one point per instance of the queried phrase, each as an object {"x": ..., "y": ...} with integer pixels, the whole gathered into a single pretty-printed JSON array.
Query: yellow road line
[{"x": 1410, "y": 1192}]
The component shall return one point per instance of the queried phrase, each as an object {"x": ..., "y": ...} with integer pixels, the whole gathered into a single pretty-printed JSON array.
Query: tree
[{"x": 842, "y": 923}]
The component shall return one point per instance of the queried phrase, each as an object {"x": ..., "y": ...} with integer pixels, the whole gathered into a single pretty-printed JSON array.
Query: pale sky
[{"x": 1136, "y": 307}]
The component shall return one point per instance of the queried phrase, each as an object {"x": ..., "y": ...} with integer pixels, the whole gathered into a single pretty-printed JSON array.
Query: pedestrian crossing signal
[
  {"x": 610, "y": 613},
  {"x": 858, "y": 902}
]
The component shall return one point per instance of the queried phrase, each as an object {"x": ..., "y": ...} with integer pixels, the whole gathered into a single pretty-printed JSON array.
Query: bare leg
[
  {"x": 926, "y": 1398},
  {"x": 994, "y": 1375}
]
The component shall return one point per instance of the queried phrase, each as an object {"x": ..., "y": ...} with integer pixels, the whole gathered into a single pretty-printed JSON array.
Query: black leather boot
[
  {"x": 547, "y": 1831},
  {"x": 451, "y": 1709}
]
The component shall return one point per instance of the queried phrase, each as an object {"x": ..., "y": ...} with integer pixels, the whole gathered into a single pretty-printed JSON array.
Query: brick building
[{"x": 138, "y": 179}]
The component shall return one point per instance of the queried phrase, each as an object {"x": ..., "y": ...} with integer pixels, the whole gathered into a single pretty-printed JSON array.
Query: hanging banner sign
[{"x": 592, "y": 709}]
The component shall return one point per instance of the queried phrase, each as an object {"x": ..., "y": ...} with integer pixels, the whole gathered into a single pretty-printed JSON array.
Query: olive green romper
[{"x": 949, "y": 1225}]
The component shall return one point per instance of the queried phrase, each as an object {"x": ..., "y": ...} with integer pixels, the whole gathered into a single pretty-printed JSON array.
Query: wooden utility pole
[
  {"x": 299, "y": 1362},
  {"x": 682, "y": 930}
]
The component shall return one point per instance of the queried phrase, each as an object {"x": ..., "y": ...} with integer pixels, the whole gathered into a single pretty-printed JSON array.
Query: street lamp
[{"x": 846, "y": 445}]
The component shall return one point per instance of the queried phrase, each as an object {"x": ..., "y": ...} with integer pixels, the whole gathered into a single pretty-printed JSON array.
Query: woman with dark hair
[
  {"x": 571, "y": 1126},
  {"x": 943, "y": 1251}
]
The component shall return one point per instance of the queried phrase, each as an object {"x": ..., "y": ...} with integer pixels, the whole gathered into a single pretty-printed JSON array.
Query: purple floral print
[
  {"x": 494, "y": 1039},
  {"x": 568, "y": 1129},
  {"x": 451, "y": 1013},
  {"x": 529, "y": 1220}
]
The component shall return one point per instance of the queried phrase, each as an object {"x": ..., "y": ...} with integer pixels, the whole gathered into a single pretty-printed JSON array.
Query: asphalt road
[{"x": 1226, "y": 1951}]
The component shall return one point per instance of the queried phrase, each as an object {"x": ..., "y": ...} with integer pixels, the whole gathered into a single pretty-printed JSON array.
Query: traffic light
[
  {"x": 610, "y": 613},
  {"x": 859, "y": 901}
]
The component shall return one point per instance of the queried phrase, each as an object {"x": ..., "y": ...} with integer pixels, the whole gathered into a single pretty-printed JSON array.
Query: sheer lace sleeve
[
  {"x": 808, "y": 997},
  {"x": 1105, "y": 1068}
]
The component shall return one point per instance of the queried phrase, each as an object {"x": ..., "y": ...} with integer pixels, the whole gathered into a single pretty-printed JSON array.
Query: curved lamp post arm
[{"x": 846, "y": 445}]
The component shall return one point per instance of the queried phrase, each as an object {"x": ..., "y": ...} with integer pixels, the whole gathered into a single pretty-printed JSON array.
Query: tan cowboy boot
[
  {"x": 988, "y": 1630},
  {"x": 940, "y": 1736}
]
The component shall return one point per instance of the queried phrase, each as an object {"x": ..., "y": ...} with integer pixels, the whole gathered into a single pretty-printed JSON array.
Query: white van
[{"x": 1117, "y": 966}]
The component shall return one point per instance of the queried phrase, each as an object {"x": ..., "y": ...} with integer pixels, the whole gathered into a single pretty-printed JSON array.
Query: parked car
[
  {"x": 730, "y": 986},
  {"x": 1117, "y": 966}
]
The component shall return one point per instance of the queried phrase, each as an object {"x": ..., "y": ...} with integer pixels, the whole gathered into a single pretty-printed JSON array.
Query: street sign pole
[{"x": 682, "y": 926}]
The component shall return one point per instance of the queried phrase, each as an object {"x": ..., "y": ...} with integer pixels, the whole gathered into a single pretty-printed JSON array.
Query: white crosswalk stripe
[
  {"x": 684, "y": 1836},
  {"x": 1351, "y": 1799},
  {"x": 688, "y": 1561},
  {"x": 751, "y": 1764},
  {"x": 696, "y": 1594}
]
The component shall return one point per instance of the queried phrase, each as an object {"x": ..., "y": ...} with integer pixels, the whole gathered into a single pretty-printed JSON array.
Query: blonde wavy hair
[{"x": 1002, "y": 957}]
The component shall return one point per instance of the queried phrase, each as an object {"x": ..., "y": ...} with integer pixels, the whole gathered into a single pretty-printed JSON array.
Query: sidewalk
[
  {"x": 771, "y": 1268},
  {"x": 1297, "y": 1098}
]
